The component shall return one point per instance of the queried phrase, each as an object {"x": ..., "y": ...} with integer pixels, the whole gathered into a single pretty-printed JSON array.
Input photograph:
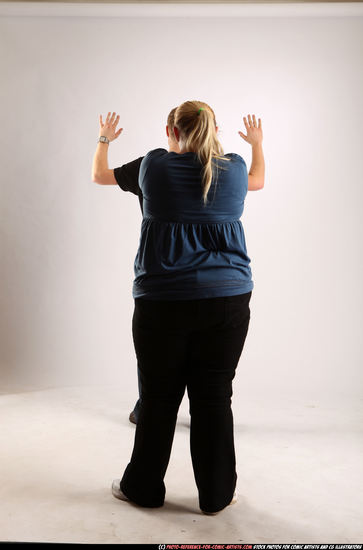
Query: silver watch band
[{"x": 103, "y": 139}]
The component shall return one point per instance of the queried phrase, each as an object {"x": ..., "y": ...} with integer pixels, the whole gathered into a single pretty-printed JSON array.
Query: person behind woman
[{"x": 192, "y": 289}]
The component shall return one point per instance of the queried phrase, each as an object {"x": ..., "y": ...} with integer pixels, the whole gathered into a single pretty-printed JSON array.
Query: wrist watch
[{"x": 104, "y": 139}]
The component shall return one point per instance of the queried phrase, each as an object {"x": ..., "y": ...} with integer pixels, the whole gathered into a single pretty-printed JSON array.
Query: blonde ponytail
[{"x": 197, "y": 125}]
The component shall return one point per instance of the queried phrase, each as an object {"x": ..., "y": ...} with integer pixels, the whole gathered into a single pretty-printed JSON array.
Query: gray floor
[{"x": 299, "y": 467}]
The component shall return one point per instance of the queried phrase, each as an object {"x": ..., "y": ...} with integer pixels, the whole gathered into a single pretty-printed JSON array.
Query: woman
[{"x": 192, "y": 290}]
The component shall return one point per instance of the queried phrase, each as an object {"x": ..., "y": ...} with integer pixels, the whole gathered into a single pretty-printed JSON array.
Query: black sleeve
[{"x": 127, "y": 176}]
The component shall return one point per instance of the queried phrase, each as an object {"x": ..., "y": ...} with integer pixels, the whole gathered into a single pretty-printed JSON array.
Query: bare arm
[
  {"x": 256, "y": 176},
  {"x": 100, "y": 171},
  {"x": 100, "y": 162}
]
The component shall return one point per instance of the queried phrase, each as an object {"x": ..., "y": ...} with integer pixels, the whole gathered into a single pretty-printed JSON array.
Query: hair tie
[{"x": 201, "y": 109}]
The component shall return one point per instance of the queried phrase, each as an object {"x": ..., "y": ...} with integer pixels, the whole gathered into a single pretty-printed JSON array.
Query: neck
[{"x": 182, "y": 148}]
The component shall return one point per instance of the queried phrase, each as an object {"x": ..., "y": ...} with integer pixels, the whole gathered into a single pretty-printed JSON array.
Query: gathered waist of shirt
[
  {"x": 188, "y": 221},
  {"x": 191, "y": 259}
]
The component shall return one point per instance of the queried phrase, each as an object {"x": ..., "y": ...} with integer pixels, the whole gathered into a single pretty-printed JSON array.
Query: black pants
[{"x": 193, "y": 344}]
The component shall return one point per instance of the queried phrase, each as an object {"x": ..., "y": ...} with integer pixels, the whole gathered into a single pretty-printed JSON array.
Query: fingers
[
  {"x": 110, "y": 120},
  {"x": 249, "y": 123},
  {"x": 252, "y": 122}
]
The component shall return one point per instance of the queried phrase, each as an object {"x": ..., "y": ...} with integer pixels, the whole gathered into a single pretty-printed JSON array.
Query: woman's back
[
  {"x": 189, "y": 250},
  {"x": 171, "y": 187}
]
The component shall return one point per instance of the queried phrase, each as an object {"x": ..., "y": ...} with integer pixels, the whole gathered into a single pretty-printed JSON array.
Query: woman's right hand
[
  {"x": 108, "y": 129},
  {"x": 254, "y": 133}
]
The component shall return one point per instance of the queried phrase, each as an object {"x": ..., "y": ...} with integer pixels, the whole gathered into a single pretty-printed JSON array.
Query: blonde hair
[
  {"x": 170, "y": 121},
  {"x": 196, "y": 123}
]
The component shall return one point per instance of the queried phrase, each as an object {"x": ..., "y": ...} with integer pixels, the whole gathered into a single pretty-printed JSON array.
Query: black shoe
[
  {"x": 133, "y": 418},
  {"x": 234, "y": 499}
]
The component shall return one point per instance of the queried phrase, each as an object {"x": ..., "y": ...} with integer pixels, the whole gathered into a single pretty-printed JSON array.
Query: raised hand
[
  {"x": 254, "y": 133},
  {"x": 108, "y": 129}
]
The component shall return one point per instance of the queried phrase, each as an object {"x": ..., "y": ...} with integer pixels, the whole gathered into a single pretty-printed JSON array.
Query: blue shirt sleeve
[
  {"x": 146, "y": 161},
  {"x": 243, "y": 164}
]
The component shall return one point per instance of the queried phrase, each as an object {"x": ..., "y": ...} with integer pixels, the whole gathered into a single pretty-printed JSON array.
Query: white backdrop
[{"x": 68, "y": 244}]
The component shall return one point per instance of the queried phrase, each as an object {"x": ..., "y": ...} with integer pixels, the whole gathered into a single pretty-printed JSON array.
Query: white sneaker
[
  {"x": 116, "y": 491},
  {"x": 234, "y": 499}
]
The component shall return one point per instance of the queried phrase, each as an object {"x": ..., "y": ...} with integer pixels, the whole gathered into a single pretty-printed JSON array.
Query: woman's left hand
[{"x": 108, "y": 129}]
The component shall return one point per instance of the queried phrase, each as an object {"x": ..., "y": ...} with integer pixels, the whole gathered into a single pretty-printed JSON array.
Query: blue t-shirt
[{"x": 188, "y": 250}]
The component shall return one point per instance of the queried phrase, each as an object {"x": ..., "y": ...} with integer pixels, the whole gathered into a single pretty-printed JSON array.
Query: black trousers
[{"x": 193, "y": 344}]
